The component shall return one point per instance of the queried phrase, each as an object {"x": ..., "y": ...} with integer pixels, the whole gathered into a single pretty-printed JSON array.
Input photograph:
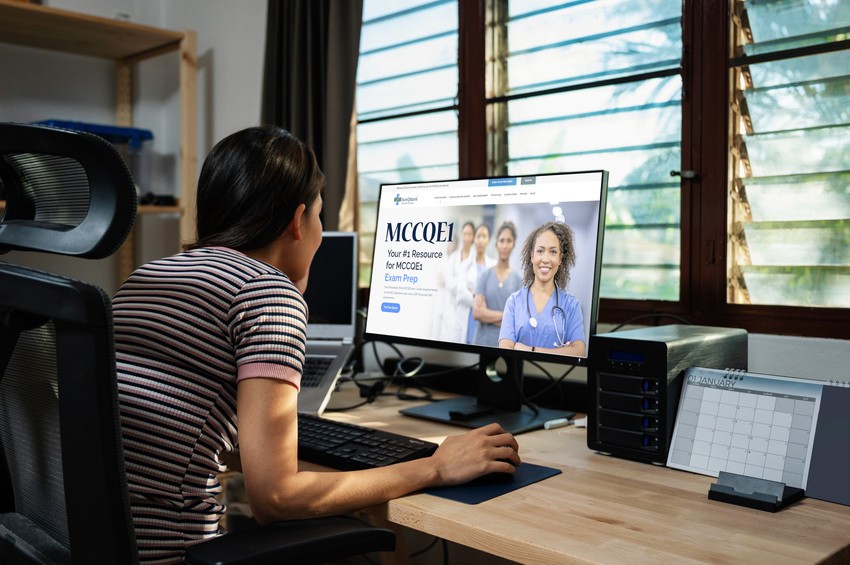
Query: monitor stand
[{"x": 498, "y": 400}]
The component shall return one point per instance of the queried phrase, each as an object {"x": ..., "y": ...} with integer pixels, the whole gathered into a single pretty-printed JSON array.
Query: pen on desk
[{"x": 559, "y": 423}]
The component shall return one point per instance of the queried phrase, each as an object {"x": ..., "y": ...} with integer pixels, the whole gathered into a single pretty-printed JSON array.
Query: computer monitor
[
  {"x": 423, "y": 291},
  {"x": 332, "y": 290}
]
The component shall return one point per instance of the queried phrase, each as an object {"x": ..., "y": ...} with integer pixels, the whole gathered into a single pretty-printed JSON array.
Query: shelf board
[
  {"x": 147, "y": 209},
  {"x": 45, "y": 27},
  {"x": 141, "y": 209}
]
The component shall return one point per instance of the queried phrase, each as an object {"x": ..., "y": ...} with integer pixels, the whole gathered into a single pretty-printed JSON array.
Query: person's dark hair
[
  {"x": 484, "y": 226},
  {"x": 508, "y": 225},
  {"x": 250, "y": 186},
  {"x": 564, "y": 233}
]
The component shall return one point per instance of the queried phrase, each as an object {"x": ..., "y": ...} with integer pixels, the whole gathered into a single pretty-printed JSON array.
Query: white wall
[
  {"x": 814, "y": 358},
  {"x": 230, "y": 50},
  {"x": 39, "y": 84},
  {"x": 230, "y": 45}
]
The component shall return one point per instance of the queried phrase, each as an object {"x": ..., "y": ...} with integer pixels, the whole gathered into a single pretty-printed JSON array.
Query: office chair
[{"x": 63, "y": 489}]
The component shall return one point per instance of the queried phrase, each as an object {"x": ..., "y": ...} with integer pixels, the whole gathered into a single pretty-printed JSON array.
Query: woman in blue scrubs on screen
[
  {"x": 542, "y": 316},
  {"x": 468, "y": 281},
  {"x": 495, "y": 286}
]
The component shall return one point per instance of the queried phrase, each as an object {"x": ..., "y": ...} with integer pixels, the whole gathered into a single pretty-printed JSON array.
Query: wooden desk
[{"x": 607, "y": 510}]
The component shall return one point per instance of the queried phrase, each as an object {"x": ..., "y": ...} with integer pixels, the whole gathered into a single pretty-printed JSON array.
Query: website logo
[{"x": 399, "y": 199}]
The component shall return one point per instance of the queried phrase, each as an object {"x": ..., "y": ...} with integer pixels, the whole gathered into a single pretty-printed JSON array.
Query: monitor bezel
[
  {"x": 490, "y": 351},
  {"x": 319, "y": 330}
]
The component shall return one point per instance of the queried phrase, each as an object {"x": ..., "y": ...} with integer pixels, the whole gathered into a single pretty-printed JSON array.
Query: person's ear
[{"x": 294, "y": 226}]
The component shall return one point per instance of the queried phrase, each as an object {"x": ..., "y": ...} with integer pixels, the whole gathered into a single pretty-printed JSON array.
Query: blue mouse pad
[{"x": 526, "y": 474}]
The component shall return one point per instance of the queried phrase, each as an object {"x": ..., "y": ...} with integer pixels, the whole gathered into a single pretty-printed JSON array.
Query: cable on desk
[
  {"x": 421, "y": 551},
  {"x": 413, "y": 373},
  {"x": 426, "y": 548},
  {"x": 345, "y": 408},
  {"x": 370, "y": 392},
  {"x": 400, "y": 371},
  {"x": 654, "y": 315},
  {"x": 555, "y": 381},
  {"x": 408, "y": 373},
  {"x": 523, "y": 399},
  {"x": 449, "y": 371},
  {"x": 404, "y": 371}
]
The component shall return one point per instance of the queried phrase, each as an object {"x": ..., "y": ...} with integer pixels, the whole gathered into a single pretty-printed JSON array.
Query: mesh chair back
[
  {"x": 29, "y": 429},
  {"x": 66, "y": 192},
  {"x": 63, "y": 494}
]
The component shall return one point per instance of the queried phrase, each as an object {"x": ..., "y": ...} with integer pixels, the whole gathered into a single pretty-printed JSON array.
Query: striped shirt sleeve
[{"x": 268, "y": 325}]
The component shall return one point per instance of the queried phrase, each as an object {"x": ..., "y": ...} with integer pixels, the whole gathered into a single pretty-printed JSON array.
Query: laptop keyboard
[
  {"x": 315, "y": 367},
  {"x": 348, "y": 447}
]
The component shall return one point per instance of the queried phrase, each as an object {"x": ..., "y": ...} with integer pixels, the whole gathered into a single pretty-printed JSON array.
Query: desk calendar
[
  {"x": 789, "y": 430},
  {"x": 754, "y": 425}
]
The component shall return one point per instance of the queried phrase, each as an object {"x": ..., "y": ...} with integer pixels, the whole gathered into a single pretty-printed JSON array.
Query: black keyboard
[{"x": 348, "y": 447}]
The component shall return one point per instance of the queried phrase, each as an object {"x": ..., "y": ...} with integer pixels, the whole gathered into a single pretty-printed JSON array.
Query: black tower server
[{"x": 634, "y": 381}]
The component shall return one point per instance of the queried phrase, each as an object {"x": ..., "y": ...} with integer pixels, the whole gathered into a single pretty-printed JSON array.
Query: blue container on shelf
[{"x": 132, "y": 143}]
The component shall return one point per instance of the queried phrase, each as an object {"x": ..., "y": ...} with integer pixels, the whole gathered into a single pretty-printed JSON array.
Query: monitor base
[{"x": 462, "y": 411}]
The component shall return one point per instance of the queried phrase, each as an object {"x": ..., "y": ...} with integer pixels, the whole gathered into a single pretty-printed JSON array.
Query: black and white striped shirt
[{"x": 187, "y": 327}]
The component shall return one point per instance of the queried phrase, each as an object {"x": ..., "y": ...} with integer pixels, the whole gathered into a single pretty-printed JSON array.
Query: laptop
[{"x": 332, "y": 301}]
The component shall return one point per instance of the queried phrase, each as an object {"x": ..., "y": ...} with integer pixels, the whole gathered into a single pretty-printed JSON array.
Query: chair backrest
[
  {"x": 66, "y": 192},
  {"x": 63, "y": 493}
]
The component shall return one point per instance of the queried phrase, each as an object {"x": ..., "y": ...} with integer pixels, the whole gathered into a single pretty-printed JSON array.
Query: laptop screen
[{"x": 332, "y": 288}]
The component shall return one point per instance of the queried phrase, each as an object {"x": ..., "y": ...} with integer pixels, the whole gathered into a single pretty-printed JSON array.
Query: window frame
[
  {"x": 705, "y": 131},
  {"x": 708, "y": 287}
]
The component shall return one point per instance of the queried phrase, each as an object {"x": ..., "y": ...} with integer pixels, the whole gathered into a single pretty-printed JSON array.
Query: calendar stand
[{"x": 752, "y": 492}]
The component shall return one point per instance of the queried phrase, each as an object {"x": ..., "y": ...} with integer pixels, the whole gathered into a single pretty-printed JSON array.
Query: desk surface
[{"x": 606, "y": 509}]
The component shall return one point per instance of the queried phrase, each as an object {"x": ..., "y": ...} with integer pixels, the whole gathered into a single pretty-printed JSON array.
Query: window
[
  {"x": 724, "y": 127},
  {"x": 789, "y": 221},
  {"x": 406, "y": 101},
  {"x": 597, "y": 85}
]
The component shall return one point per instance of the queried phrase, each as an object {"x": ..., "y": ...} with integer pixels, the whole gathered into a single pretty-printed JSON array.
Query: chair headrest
[{"x": 67, "y": 192}]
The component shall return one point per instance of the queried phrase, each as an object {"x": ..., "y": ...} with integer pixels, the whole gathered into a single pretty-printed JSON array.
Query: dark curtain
[{"x": 309, "y": 82}]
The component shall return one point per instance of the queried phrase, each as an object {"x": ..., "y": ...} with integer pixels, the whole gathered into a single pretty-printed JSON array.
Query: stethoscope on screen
[{"x": 532, "y": 321}]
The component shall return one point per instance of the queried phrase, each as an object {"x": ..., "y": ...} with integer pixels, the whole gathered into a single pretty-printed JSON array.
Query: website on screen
[{"x": 441, "y": 248}]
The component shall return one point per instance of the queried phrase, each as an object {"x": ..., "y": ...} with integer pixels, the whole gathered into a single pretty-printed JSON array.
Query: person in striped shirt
[{"x": 217, "y": 332}]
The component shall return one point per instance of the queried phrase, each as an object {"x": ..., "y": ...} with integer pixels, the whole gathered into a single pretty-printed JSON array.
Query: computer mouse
[{"x": 497, "y": 478}]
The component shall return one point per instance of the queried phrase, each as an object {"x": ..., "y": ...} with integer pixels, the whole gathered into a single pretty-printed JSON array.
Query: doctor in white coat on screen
[
  {"x": 468, "y": 281},
  {"x": 454, "y": 319}
]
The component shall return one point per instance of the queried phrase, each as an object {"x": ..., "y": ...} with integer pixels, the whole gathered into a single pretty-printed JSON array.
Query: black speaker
[{"x": 635, "y": 378}]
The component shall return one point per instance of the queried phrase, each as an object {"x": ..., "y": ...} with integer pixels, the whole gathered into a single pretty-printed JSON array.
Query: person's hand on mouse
[{"x": 488, "y": 449}]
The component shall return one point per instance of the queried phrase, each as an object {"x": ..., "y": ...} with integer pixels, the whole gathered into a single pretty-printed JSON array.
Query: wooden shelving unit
[{"x": 126, "y": 43}]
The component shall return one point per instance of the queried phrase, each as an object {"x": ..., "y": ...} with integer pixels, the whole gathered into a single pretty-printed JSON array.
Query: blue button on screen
[
  {"x": 392, "y": 307},
  {"x": 501, "y": 182}
]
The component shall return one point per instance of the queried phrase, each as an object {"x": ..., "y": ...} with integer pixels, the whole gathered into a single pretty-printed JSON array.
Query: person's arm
[
  {"x": 507, "y": 330},
  {"x": 574, "y": 348},
  {"x": 508, "y": 344},
  {"x": 505, "y": 343},
  {"x": 483, "y": 314},
  {"x": 480, "y": 310},
  {"x": 277, "y": 490}
]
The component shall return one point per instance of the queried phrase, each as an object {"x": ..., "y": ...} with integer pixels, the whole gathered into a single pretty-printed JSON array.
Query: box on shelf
[{"x": 132, "y": 143}]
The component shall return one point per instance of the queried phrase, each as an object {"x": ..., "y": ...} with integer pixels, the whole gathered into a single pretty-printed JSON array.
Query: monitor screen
[
  {"x": 331, "y": 293},
  {"x": 425, "y": 285},
  {"x": 506, "y": 267}
]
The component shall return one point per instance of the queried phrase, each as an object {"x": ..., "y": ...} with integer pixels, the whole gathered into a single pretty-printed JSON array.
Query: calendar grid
[{"x": 741, "y": 424}]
